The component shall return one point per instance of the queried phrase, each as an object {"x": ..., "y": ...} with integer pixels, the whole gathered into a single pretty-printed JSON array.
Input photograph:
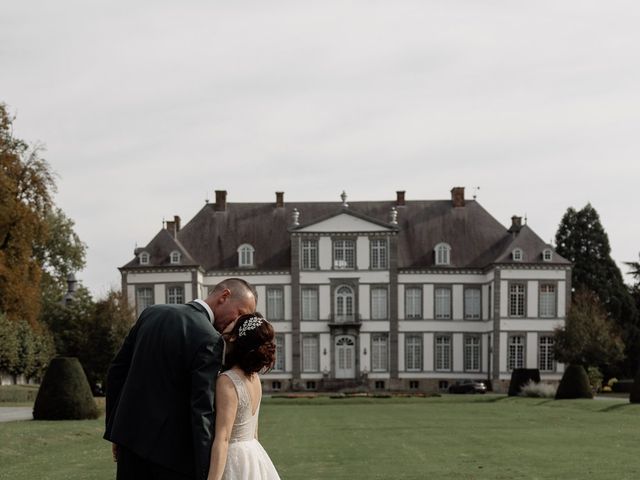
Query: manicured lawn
[{"x": 457, "y": 437}]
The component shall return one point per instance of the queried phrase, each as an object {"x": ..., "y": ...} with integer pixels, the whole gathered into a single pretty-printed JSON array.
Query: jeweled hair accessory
[{"x": 250, "y": 324}]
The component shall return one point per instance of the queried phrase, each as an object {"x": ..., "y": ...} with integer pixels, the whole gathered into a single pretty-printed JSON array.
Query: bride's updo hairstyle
[{"x": 253, "y": 348}]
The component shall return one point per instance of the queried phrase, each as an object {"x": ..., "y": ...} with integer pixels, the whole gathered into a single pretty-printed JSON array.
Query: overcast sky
[{"x": 147, "y": 107}]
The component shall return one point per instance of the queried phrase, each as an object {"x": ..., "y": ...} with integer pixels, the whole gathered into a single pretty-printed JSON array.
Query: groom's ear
[{"x": 224, "y": 296}]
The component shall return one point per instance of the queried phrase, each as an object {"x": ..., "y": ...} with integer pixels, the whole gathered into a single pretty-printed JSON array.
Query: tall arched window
[
  {"x": 443, "y": 254},
  {"x": 245, "y": 255},
  {"x": 344, "y": 304}
]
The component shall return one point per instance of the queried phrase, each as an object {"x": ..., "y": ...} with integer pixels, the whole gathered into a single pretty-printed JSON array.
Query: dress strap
[{"x": 241, "y": 389}]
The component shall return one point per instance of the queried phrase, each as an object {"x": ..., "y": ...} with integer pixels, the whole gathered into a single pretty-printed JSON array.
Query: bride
[{"x": 236, "y": 453}]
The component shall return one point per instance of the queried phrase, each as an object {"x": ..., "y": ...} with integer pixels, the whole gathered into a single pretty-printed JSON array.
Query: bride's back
[{"x": 249, "y": 393}]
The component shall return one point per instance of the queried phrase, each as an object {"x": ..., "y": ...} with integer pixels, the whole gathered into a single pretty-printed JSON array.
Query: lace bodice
[{"x": 245, "y": 424}]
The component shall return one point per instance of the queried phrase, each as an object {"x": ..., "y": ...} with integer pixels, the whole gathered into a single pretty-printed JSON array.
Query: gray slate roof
[{"x": 211, "y": 239}]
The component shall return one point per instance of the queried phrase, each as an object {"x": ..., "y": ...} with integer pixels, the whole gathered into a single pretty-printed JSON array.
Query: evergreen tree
[
  {"x": 588, "y": 338},
  {"x": 582, "y": 240}
]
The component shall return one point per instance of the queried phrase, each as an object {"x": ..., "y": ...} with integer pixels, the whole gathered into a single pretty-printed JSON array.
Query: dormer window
[
  {"x": 175, "y": 257},
  {"x": 517, "y": 255},
  {"x": 547, "y": 255},
  {"x": 443, "y": 254},
  {"x": 245, "y": 255},
  {"x": 144, "y": 258}
]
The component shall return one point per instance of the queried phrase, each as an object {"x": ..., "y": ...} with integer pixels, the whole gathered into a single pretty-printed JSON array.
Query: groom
[{"x": 160, "y": 386}]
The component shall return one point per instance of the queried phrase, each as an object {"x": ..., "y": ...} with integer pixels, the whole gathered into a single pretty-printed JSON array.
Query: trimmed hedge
[
  {"x": 574, "y": 384},
  {"x": 65, "y": 393},
  {"x": 634, "y": 397},
  {"x": 520, "y": 377},
  {"x": 18, "y": 393}
]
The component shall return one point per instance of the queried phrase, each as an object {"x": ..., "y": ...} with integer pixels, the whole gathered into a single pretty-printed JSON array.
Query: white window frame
[
  {"x": 139, "y": 306},
  {"x": 379, "y": 352},
  {"x": 246, "y": 255},
  {"x": 443, "y": 352},
  {"x": 411, "y": 300},
  {"x": 547, "y": 300},
  {"x": 344, "y": 254},
  {"x": 545, "y": 353},
  {"x": 280, "y": 361},
  {"x": 517, "y": 309},
  {"x": 309, "y": 304},
  {"x": 177, "y": 295},
  {"x": 517, "y": 255},
  {"x": 175, "y": 257},
  {"x": 275, "y": 303},
  {"x": 379, "y": 248},
  {"x": 309, "y": 254},
  {"x": 516, "y": 353},
  {"x": 310, "y": 353},
  {"x": 547, "y": 255},
  {"x": 144, "y": 258},
  {"x": 442, "y": 252},
  {"x": 345, "y": 301},
  {"x": 379, "y": 302},
  {"x": 468, "y": 303},
  {"x": 472, "y": 354},
  {"x": 413, "y": 352},
  {"x": 438, "y": 302}
]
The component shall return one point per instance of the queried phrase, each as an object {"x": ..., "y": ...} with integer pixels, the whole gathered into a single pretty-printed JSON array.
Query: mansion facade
[{"x": 390, "y": 295}]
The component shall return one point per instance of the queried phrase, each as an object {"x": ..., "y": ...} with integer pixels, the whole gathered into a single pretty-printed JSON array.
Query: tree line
[{"x": 39, "y": 248}]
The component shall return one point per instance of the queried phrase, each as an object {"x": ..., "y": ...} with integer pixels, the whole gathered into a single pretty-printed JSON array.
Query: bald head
[
  {"x": 229, "y": 299},
  {"x": 238, "y": 288}
]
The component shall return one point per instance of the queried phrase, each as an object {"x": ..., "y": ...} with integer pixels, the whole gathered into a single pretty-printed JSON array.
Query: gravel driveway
[{"x": 11, "y": 414}]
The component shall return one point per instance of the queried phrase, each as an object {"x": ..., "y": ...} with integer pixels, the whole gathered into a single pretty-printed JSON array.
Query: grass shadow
[{"x": 612, "y": 408}]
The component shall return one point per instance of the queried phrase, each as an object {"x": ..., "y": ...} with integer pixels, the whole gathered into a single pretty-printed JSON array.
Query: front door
[{"x": 345, "y": 348}]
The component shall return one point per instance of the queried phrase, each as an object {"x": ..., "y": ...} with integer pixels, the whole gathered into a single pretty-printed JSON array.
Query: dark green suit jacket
[{"x": 160, "y": 388}]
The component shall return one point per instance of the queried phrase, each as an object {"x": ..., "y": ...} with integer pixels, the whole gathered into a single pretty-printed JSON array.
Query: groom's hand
[{"x": 114, "y": 452}]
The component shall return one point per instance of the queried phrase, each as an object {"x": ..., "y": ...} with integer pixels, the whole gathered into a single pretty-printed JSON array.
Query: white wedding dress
[{"x": 246, "y": 459}]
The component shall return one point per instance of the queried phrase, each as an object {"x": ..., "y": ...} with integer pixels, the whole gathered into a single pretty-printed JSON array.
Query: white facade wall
[
  {"x": 428, "y": 339},
  {"x": 531, "y": 350},
  {"x": 457, "y": 294},
  {"x": 325, "y": 255},
  {"x": 428, "y": 308},
  {"x": 458, "y": 351},
  {"x": 362, "y": 253},
  {"x": 364, "y": 301}
]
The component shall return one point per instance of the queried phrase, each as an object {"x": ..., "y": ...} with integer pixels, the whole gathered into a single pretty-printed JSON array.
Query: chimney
[
  {"x": 400, "y": 198},
  {"x": 457, "y": 196},
  {"x": 279, "y": 199},
  {"x": 221, "y": 201},
  {"x": 173, "y": 227},
  {"x": 516, "y": 224}
]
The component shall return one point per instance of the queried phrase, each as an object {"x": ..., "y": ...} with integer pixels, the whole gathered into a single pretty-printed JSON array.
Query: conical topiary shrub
[
  {"x": 520, "y": 377},
  {"x": 574, "y": 384},
  {"x": 634, "y": 397},
  {"x": 64, "y": 393}
]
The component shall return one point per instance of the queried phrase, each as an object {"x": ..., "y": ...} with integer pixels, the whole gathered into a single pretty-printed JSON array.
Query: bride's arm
[{"x": 226, "y": 407}]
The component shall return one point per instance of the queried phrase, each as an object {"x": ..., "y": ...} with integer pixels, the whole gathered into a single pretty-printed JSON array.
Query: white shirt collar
[{"x": 206, "y": 307}]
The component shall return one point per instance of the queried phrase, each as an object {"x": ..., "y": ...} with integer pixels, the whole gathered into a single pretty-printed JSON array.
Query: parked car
[{"x": 468, "y": 386}]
